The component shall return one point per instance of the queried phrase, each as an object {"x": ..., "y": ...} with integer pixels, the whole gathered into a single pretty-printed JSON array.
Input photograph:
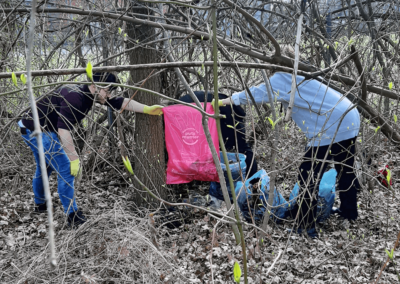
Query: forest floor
[{"x": 118, "y": 243}]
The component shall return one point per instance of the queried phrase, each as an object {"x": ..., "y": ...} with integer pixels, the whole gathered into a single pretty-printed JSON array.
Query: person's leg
[
  {"x": 38, "y": 188},
  {"x": 251, "y": 169},
  {"x": 60, "y": 163},
  {"x": 344, "y": 154},
  {"x": 37, "y": 183},
  {"x": 309, "y": 170}
]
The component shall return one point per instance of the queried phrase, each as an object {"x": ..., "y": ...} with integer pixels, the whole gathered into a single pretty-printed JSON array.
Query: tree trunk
[{"x": 149, "y": 158}]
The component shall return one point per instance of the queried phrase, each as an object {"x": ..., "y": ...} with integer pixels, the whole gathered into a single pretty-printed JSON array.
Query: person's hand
[
  {"x": 213, "y": 103},
  {"x": 75, "y": 168},
  {"x": 153, "y": 110}
]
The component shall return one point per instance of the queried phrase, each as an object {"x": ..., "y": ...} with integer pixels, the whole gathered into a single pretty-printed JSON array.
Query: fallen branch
[{"x": 313, "y": 74}]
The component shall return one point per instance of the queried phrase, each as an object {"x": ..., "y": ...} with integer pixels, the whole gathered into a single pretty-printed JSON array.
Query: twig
[
  {"x": 214, "y": 153},
  {"x": 312, "y": 74},
  {"x": 273, "y": 159},
  {"x": 178, "y": 3},
  {"x": 153, "y": 232},
  {"x": 250, "y": 18},
  {"x": 212, "y": 245},
  {"x": 38, "y": 133},
  {"x": 296, "y": 63},
  {"x": 389, "y": 132},
  {"x": 273, "y": 264},
  {"x": 388, "y": 259},
  {"x": 222, "y": 145}
]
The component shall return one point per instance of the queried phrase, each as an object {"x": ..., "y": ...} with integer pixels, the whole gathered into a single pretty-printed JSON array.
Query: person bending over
[
  {"x": 58, "y": 113},
  {"x": 331, "y": 124}
]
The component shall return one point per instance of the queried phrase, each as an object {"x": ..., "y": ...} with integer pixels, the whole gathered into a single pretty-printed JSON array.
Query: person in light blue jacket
[{"x": 331, "y": 124}]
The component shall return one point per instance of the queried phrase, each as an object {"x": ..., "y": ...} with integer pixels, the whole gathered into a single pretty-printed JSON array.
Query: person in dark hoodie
[{"x": 58, "y": 113}]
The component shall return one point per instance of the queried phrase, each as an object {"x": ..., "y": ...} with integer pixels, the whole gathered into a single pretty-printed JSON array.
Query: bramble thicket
[{"x": 141, "y": 229}]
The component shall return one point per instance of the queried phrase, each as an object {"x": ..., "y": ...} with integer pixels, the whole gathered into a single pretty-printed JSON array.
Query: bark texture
[{"x": 149, "y": 133}]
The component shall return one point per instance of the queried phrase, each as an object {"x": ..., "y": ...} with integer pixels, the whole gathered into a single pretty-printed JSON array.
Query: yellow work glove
[
  {"x": 75, "y": 169},
  {"x": 213, "y": 103},
  {"x": 153, "y": 110}
]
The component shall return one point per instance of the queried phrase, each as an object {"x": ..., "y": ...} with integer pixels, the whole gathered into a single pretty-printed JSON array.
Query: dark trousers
[
  {"x": 343, "y": 153},
  {"x": 249, "y": 157}
]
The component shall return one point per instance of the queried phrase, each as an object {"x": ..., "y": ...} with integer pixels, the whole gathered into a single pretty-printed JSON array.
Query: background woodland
[{"x": 166, "y": 47}]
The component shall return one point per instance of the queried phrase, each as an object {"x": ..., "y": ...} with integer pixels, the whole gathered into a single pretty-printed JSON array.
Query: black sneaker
[
  {"x": 42, "y": 208},
  {"x": 76, "y": 219}
]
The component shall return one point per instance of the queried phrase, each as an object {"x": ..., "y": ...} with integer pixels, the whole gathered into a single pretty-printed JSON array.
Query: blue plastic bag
[
  {"x": 236, "y": 168},
  {"x": 257, "y": 198}
]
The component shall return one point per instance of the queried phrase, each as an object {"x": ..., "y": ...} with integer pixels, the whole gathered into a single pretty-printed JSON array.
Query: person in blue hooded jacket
[{"x": 331, "y": 124}]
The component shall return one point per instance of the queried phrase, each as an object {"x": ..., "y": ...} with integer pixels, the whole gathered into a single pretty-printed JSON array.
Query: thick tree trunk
[{"x": 149, "y": 134}]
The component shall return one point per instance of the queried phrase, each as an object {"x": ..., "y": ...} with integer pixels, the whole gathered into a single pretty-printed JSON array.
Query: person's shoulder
[
  {"x": 281, "y": 78},
  {"x": 71, "y": 90},
  {"x": 73, "y": 94},
  {"x": 281, "y": 75}
]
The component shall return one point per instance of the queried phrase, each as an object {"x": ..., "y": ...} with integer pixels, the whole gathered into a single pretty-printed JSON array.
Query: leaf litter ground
[{"x": 118, "y": 244}]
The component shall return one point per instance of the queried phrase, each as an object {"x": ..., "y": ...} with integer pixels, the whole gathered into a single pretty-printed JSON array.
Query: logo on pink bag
[{"x": 190, "y": 136}]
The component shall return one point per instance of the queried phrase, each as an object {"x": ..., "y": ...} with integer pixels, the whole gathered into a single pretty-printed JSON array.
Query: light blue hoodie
[{"x": 317, "y": 109}]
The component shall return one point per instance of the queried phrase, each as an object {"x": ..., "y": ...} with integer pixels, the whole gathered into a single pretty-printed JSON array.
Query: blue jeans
[{"x": 58, "y": 161}]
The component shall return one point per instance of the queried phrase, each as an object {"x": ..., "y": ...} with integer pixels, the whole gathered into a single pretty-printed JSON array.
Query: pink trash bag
[{"x": 189, "y": 157}]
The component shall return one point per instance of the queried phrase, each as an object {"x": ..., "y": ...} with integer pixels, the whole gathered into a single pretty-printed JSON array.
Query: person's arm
[
  {"x": 71, "y": 109},
  {"x": 68, "y": 144},
  {"x": 135, "y": 106},
  {"x": 132, "y": 105},
  {"x": 259, "y": 93}
]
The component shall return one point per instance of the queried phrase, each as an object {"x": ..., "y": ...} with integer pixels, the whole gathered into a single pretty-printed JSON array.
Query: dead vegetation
[
  {"x": 117, "y": 244},
  {"x": 124, "y": 243}
]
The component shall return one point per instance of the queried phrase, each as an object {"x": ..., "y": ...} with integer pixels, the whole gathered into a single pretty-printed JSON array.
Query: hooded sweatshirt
[{"x": 323, "y": 114}]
